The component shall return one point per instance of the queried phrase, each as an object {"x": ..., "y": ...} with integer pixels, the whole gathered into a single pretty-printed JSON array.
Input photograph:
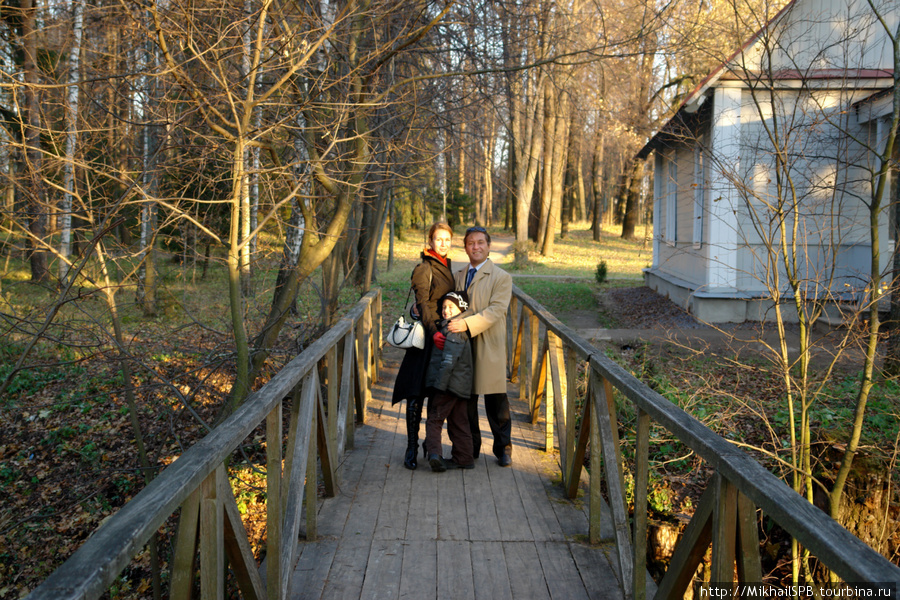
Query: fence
[
  {"x": 209, "y": 523},
  {"x": 543, "y": 360}
]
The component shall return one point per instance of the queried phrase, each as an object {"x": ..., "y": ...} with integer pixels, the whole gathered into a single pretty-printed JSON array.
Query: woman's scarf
[{"x": 433, "y": 254}]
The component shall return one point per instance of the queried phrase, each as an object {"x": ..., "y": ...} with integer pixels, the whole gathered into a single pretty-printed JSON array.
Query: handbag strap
[
  {"x": 430, "y": 282},
  {"x": 393, "y": 333}
]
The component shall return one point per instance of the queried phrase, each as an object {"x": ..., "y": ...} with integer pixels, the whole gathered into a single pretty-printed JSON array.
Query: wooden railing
[
  {"x": 543, "y": 359},
  {"x": 209, "y": 523}
]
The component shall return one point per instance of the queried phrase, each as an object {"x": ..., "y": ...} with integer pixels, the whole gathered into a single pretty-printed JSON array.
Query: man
[{"x": 490, "y": 289}]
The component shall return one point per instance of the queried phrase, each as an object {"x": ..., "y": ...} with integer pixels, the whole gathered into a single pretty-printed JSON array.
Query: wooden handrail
[
  {"x": 726, "y": 516},
  {"x": 196, "y": 481}
]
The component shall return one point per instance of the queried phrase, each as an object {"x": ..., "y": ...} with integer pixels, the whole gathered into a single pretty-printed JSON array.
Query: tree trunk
[
  {"x": 892, "y": 354},
  {"x": 557, "y": 171},
  {"x": 580, "y": 193},
  {"x": 597, "y": 210},
  {"x": 391, "y": 216},
  {"x": 486, "y": 200},
  {"x": 65, "y": 222},
  {"x": 37, "y": 206},
  {"x": 373, "y": 231},
  {"x": 550, "y": 118},
  {"x": 632, "y": 190},
  {"x": 508, "y": 189}
]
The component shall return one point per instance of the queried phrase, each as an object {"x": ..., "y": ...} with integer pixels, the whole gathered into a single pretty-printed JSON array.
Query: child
[{"x": 448, "y": 381}]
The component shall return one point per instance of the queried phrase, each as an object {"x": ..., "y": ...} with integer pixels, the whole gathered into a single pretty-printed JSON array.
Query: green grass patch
[{"x": 560, "y": 295}]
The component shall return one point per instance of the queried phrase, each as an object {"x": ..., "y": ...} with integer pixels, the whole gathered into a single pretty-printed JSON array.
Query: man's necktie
[{"x": 469, "y": 276}]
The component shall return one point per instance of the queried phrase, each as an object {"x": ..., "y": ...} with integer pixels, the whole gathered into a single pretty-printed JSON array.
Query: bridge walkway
[{"x": 489, "y": 533}]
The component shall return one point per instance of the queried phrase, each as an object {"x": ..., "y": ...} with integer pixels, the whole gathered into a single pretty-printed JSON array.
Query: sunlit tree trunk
[
  {"x": 151, "y": 139},
  {"x": 487, "y": 195},
  {"x": 554, "y": 176},
  {"x": 632, "y": 191},
  {"x": 596, "y": 178},
  {"x": 65, "y": 210}
]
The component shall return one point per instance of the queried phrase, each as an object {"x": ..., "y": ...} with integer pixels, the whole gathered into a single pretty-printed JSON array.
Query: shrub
[{"x": 600, "y": 273}]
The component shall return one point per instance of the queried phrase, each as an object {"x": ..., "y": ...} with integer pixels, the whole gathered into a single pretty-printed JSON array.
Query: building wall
[{"x": 679, "y": 257}]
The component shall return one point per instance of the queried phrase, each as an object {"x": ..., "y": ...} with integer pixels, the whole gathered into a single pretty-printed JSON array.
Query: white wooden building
[{"x": 778, "y": 139}]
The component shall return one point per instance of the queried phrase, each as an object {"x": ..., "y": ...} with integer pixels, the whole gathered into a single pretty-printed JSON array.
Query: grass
[{"x": 577, "y": 255}]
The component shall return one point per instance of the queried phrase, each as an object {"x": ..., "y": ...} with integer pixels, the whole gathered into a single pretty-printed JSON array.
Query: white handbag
[{"x": 405, "y": 334}]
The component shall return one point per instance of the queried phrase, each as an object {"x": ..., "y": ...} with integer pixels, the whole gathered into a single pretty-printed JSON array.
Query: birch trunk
[{"x": 72, "y": 93}]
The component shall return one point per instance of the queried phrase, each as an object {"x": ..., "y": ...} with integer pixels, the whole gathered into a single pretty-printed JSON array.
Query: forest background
[{"x": 190, "y": 191}]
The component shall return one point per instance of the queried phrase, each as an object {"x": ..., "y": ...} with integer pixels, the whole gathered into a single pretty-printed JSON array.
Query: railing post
[
  {"x": 333, "y": 390},
  {"x": 724, "y": 530},
  {"x": 539, "y": 377},
  {"x": 362, "y": 374},
  {"x": 379, "y": 324},
  {"x": 185, "y": 548},
  {"x": 641, "y": 484},
  {"x": 520, "y": 360},
  {"x": 346, "y": 417},
  {"x": 568, "y": 453},
  {"x": 557, "y": 386},
  {"x": 534, "y": 334},
  {"x": 749, "y": 566},
  {"x": 368, "y": 322},
  {"x": 596, "y": 489},
  {"x": 212, "y": 538},
  {"x": 311, "y": 476},
  {"x": 604, "y": 415},
  {"x": 274, "y": 495},
  {"x": 515, "y": 357},
  {"x": 511, "y": 337}
]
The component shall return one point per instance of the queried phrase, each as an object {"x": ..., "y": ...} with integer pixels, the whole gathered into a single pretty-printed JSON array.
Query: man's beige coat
[{"x": 489, "y": 296}]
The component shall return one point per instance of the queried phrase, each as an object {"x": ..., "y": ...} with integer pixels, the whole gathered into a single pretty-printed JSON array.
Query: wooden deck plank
[
  {"x": 454, "y": 571},
  {"x": 526, "y": 578},
  {"x": 573, "y": 515},
  {"x": 596, "y": 566},
  {"x": 481, "y": 511},
  {"x": 348, "y": 569},
  {"x": 333, "y": 512},
  {"x": 418, "y": 578},
  {"x": 453, "y": 523},
  {"x": 382, "y": 581},
  {"x": 541, "y": 517},
  {"x": 312, "y": 570},
  {"x": 393, "y": 516},
  {"x": 423, "y": 515},
  {"x": 562, "y": 575},
  {"x": 490, "y": 573}
]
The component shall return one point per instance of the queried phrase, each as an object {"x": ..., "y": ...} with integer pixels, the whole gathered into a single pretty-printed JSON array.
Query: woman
[{"x": 431, "y": 279}]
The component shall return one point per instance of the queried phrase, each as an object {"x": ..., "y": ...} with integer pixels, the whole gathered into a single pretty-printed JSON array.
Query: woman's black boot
[
  {"x": 410, "y": 461},
  {"x": 413, "y": 418}
]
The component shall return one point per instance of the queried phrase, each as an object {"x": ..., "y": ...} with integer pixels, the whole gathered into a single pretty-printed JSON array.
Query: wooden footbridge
[{"x": 539, "y": 529}]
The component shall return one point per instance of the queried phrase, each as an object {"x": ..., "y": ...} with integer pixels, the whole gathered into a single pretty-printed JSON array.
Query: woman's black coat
[{"x": 430, "y": 281}]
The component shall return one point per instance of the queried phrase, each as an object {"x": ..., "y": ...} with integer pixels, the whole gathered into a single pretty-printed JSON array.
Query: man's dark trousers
[{"x": 496, "y": 406}]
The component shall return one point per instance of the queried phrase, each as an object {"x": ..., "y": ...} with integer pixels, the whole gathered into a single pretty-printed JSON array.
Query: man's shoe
[
  {"x": 452, "y": 464},
  {"x": 505, "y": 460},
  {"x": 437, "y": 463}
]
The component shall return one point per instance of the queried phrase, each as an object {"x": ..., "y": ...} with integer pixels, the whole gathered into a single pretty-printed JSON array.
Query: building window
[
  {"x": 672, "y": 200},
  {"x": 699, "y": 193}
]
